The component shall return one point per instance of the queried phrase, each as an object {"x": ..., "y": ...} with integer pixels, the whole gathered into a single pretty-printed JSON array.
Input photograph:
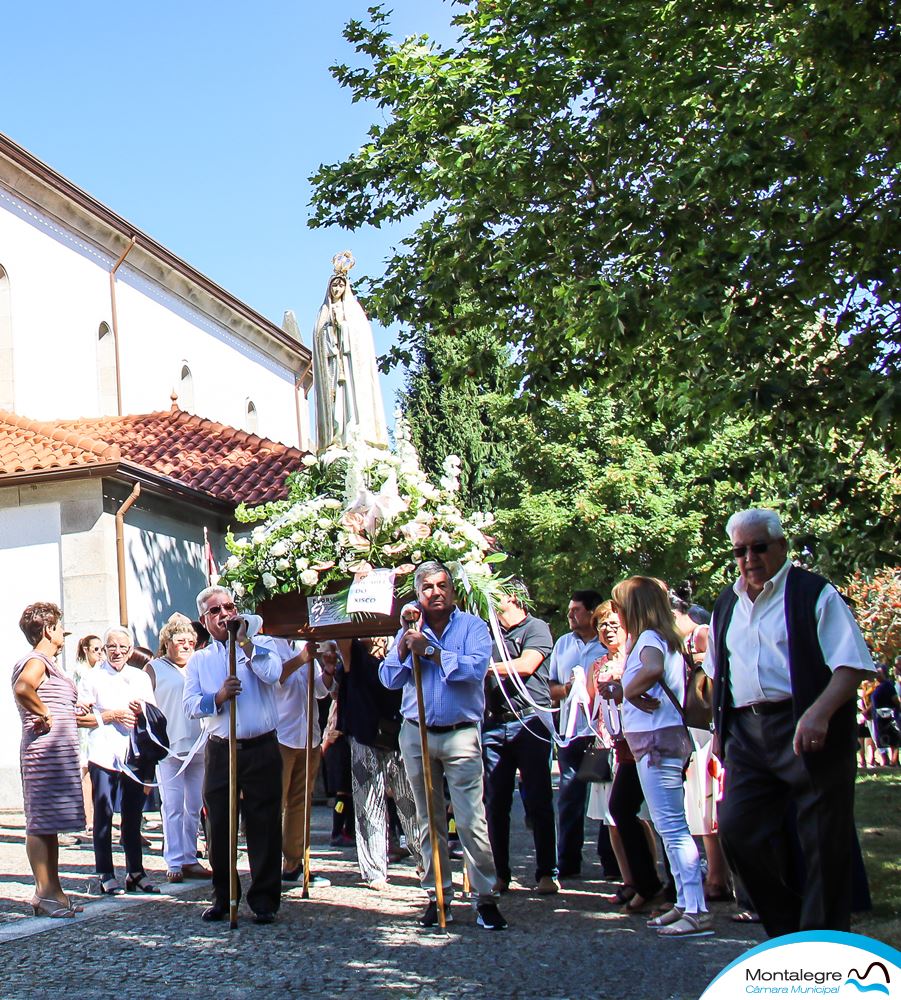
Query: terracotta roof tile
[{"x": 226, "y": 463}]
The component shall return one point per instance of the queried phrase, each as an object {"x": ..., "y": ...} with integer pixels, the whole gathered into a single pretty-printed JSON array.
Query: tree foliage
[
  {"x": 452, "y": 410},
  {"x": 689, "y": 202},
  {"x": 876, "y": 600}
]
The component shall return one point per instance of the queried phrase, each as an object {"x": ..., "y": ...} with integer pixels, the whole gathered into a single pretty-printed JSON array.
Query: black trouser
[
  {"x": 113, "y": 791},
  {"x": 572, "y": 797},
  {"x": 763, "y": 778},
  {"x": 260, "y": 785},
  {"x": 625, "y": 801},
  {"x": 525, "y": 747}
]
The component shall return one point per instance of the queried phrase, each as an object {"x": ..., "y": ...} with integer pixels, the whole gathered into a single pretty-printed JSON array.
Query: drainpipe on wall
[
  {"x": 120, "y": 552},
  {"x": 302, "y": 385},
  {"x": 115, "y": 318}
]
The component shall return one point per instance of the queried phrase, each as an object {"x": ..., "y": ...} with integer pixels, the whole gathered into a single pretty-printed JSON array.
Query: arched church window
[{"x": 106, "y": 371}]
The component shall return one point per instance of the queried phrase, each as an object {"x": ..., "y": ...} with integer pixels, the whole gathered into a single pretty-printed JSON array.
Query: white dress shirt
[
  {"x": 293, "y": 697},
  {"x": 256, "y": 707},
  {"x": 757, "y": 641},
  {"x": 108, "y": 689}
]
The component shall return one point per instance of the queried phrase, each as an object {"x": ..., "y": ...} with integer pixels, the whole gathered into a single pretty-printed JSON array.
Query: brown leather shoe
[{"x": 196, "y": 871}]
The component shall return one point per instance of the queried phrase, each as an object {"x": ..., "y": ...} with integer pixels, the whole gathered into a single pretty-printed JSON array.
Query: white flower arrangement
[{"x": 356, "y": 508}]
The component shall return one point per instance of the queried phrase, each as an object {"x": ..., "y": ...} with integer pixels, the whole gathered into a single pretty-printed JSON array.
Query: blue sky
[{"x": 200, "y": 123}]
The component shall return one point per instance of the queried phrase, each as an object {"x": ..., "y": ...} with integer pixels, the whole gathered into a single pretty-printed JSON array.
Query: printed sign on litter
[
  {"x": 372, "y": 592},
  {"x": 326, "y": 610}
]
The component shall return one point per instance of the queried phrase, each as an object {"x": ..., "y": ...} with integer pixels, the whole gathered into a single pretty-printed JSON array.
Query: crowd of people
[{"x": 770, "y": 779}]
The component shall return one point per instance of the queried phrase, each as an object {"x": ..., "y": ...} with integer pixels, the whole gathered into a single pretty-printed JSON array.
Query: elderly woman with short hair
[
  {"x": 51, "y": 779},
  {"x": 181, "y": 780},
  {"x": 118, "y": 694}
]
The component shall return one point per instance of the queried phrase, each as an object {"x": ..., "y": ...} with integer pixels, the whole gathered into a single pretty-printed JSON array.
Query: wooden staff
[
  {"x": 233, "y": 627},
  {"x": 311, "y": 702},
  {"x": 427, "y": 777}
]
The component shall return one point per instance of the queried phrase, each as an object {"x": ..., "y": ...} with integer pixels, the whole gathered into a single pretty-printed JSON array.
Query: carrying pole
[
  {"x": 311, "y": 707},
  {"x": 427, "y": 777},
  {"x": 233, "y": 627}
]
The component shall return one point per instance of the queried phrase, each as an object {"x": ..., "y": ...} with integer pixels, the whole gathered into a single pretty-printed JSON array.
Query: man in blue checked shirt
[{"x": 454, "y": 649}]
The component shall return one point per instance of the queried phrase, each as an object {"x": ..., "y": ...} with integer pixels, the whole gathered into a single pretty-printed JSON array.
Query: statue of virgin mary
[{"x": 345, "y": 376}]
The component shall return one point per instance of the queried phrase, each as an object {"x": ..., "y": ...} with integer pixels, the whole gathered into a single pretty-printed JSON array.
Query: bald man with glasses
[
  {"x": 208, "y": 690},
  {"x": 787, "y": 657}
]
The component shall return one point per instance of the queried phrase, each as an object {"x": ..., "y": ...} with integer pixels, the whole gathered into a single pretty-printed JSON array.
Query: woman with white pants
[
  {"x": 182, "y": 793},
  {"x": 660, "y": 742}
]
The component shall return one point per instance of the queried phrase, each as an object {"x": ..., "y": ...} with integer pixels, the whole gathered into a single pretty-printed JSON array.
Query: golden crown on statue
[{"x": 343, "y": 262}]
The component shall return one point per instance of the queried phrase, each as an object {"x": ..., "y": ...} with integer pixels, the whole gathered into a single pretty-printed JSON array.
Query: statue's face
[{"x": 336, "y": 288}]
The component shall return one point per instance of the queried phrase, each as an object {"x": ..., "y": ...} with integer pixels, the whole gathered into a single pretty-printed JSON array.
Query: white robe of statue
[{"x": 345, "y": 375}]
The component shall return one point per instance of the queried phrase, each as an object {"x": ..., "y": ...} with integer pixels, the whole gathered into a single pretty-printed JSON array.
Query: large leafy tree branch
[{"x": 694, "y": 203}]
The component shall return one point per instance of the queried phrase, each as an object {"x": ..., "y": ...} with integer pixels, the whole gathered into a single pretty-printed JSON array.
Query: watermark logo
[{"x": 813, "y": 964}]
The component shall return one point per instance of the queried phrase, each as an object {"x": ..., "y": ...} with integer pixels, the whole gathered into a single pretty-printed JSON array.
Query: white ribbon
[{"x": 569, "y": 709}]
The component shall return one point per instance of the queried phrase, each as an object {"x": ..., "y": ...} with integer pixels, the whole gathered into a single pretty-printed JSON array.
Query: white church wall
[
  {"x": 30, "y": 562},
  {"x": 58, "y": 298}
]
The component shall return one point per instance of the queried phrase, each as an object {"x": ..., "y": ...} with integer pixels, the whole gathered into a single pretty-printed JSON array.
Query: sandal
[
  {"x": 174, "y": 877},
  {"x": 665, "y": 919},
  {"x": 624, "y": 893},
  {"x": 642, "y": 904},
  {"x": 689, "y": 925},
  {"x": 136, "y": 883},
  {"x": 107, "y": 885},
  {"x": 745, "y": 917},
  {"x": 51, "y": 908}
]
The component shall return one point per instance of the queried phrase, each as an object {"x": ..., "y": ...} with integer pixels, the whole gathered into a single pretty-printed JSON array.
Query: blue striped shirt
[{"x": 454, "y": 691}]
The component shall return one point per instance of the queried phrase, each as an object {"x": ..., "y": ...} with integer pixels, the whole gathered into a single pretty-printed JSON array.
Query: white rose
[
  {"x": 279, "y": 549},
  {"x": 323, "y": 523},
  {"x": 269, "y": 581},
  {"x": 309, "y": 578},
  {"x": 330, "y": 503},
  {"x": 283, "y": 564},
  {"x": 258, "y": 535},
  {"x": 238, "y": 588},
  {"x": 241, "y": 543},
  {"x": 301, "y": 564},
  {"x": 309, "y": 461},
  {"x": 233, "y": 562}
]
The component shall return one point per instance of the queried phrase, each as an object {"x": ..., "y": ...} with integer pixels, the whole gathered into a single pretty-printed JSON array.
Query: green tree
[
  {"x": 452, "y": 409},
  {"x": 634, "y": 191}
]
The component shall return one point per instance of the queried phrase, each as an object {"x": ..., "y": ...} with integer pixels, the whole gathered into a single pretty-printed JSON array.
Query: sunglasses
[
  {"x": 758, "y": 548},
  {"x": 218, "y": 608}
]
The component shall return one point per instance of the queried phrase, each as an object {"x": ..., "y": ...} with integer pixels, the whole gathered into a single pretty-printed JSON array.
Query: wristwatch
[{"x": 430, "y": 650}]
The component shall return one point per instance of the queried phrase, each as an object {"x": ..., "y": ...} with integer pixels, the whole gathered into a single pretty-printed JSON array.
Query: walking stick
[
  {"x": 427, "y": 776},
  {"x": 233, "y": 626},
  {"x": 311, "y": 702}
]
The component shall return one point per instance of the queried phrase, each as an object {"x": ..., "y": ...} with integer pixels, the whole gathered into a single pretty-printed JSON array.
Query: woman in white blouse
[
  {"x": 181, "y": 780},
  {"x": 660, "y": 742}
]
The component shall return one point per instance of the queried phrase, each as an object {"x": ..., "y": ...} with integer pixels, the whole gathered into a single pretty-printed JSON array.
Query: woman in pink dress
[{"x": 51, "y": 776}]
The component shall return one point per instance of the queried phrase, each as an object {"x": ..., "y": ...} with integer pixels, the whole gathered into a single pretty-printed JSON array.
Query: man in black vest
[{"x": 787, "y": 657}]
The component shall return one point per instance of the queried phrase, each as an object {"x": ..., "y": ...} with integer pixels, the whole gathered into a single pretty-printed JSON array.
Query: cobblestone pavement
[{"x": 345, "y": 941}]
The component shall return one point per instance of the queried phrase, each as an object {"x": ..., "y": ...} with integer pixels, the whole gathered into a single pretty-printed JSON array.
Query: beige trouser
[
  {"x": 294, "y": 802},
  {"x": 456, "y": 756}
]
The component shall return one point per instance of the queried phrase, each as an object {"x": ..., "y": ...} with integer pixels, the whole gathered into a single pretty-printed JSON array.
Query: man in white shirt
[
  {"x": 208, "y": 689},
  {"x": 117, "y": 694},
  {"x": 297, "y": 792},
  {"x": 580, "y": 647},
  {"x": 787, "y": 658}
]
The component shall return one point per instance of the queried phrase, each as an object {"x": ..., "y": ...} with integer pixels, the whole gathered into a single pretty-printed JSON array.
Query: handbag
[
  {"x": 696, "y": 710},
  {"x": 595, "y": 766},
  {"x": 387, "y": 734}
]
